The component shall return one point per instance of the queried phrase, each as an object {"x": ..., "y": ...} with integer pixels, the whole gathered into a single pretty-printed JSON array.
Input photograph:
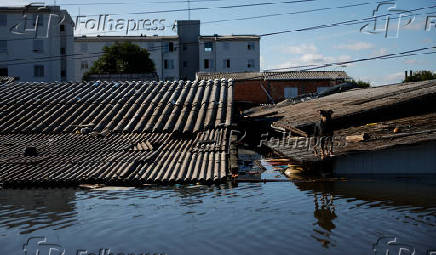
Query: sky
[{"x": 415, "y": 30}]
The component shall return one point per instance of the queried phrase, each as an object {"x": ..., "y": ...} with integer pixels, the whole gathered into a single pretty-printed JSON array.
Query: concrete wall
[
  {"x": 410, "y": 159},
  {"x": 235, "y": 50},
  {"x": 20, "y": 58},
  {"x": 156, "y": 48},
  {"x": 188, "y": 32}
]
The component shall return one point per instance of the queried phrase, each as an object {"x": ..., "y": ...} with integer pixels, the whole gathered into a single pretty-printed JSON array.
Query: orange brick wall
[{"x": 251, "y": 91}]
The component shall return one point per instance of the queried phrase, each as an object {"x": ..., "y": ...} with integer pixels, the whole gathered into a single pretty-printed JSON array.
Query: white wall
[
  {"x": 235, "y": 50},
  {"x": 20, "y": 58},
  {"x": 155, "y": 47}
]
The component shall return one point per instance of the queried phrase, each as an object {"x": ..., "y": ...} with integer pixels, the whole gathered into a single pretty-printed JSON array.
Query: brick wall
[{"x": 251, "y": 90}]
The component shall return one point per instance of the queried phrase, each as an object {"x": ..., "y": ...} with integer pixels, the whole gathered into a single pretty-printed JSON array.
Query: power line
[
  {"x": 218, "y": 7},
  {"x": 237, "y": 19},
  {"x": 341, "y": 63},
  {"x": 196, "y": 42}
]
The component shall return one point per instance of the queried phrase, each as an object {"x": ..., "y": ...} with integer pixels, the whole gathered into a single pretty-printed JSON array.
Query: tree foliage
[
  {"x": 361, "y": 84},
  {"x": 421, "y": 76},
  {"x": 122, "y": 58}
]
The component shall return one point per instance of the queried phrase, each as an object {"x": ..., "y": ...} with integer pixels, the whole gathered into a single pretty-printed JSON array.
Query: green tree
[
  {"x": 421, "y": 76},
  {"x": 122, "y": 58},
  {"x": 361, "y": 84}
]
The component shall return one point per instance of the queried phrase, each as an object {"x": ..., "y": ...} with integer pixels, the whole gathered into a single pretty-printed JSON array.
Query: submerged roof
[
  {"x": 294, "y": 75},
  {"x": 375, "y": 111},
  {"x": 115, "y": 132}
]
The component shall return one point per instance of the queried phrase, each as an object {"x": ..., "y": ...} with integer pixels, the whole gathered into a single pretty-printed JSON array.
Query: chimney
[
  {"x": 405, "y": 75},
  {"x": 410, "y": 73}
]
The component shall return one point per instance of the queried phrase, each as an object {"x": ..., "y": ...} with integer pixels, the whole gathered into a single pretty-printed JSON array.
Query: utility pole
[{"x": 189, "y": 9}]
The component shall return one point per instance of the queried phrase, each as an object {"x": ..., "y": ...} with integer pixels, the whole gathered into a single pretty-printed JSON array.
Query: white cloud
[
  {"x": 312, "y": 59},
  {"x": 308, "y": 55},
  {"x": 15, "y": 2},
  {"x": 416, "y": 26},
  {"x": 301, "y": 49},
  {"x": 389, "y": 79},
  {"x": 357, "y": 46},
  {"x": 410, "y": 61},
  {"x": 379, "y": 52}
]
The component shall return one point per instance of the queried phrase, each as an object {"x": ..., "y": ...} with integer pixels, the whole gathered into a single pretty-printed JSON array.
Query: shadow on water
[
  {"x": 319, "y": 216},
  {"x": 34, "y": 209}
]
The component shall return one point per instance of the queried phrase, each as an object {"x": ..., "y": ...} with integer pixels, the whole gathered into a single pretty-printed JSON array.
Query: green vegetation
[
  {"x": 421, "y": 76},
  {"x": 122, "y": 58},
  {"x": 361, "y": 84}
]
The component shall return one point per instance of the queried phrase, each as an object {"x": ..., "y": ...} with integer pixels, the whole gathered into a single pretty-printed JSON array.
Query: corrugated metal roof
[
  {"x": 115, "y": 132},
  {"x": 295, "y": 75}
]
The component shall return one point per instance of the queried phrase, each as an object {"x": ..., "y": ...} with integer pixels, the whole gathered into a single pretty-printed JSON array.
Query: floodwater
[{"x": 336, "y": 217}]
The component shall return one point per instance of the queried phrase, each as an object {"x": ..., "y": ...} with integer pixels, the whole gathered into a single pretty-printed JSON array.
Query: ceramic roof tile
[{"x": 114, "y": 132}]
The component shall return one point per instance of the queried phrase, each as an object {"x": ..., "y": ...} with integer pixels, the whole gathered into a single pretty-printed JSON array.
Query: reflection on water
[{"x": 274, "y": 218}]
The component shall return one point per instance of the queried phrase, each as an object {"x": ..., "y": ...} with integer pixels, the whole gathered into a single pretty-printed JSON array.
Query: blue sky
[{"x": 335, "y": 44}]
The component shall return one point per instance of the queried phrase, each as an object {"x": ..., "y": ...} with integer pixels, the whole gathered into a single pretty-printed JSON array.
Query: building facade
[
  {"x": 256, "y": 88},
  {"x": 36, "y": 43},
  {"x": 163, "y": 51},
  {"x": 180, "y": 56},
  {"x": 233, "y": 53}
]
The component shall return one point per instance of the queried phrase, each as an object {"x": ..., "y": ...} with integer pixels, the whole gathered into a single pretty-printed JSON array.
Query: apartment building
[
  {"x": 180, "y": 56},
  {"x": 229, "y": 53},
  {"x": 163, "y": 51},
  {"x": 36, "y": 43}
]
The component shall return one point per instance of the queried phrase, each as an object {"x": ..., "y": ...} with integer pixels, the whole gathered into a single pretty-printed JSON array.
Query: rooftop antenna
[{"x": 189, "y": 9}]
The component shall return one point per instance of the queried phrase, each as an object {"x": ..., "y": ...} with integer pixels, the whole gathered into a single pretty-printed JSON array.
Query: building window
[
  {"x": 3, "y": 20},
  {"x": 290, "y": 92},
  {"x": 84, "y": 65},
  {"x": 250, "y": 46},
  {"x": 168, "y": 64},
  {"x": 62, "y": 28},
  {"x": 185, "y": 47},
  {"x": 4, "y": 71},
  {"x": 251, "y": 63},
  {"x": 170, "y": 46},
  {"x": 185, "y": 64},
  {"x": 38, "y": 46},
  {"x": 63, "y": 51},
  {"x": 63, "y": 73},
  {"x": 83, "y": 47},
  {"x": 38, "y": 71},
  {"x": 3, "y": 46},
  {"x": 39, "y": 18},
  {"x": 206, "y": 64},
  {"x": 226, "y": 63},
  {"x": 208, "y": 46}
]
